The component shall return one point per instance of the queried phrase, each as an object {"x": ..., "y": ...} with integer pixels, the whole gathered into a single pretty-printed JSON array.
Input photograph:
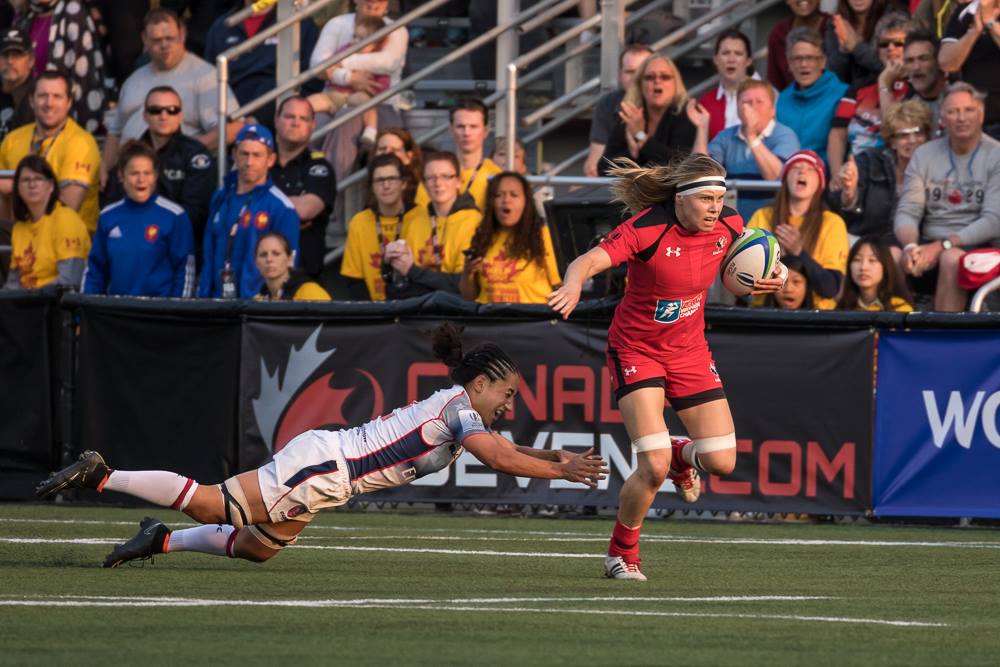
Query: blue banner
[{"x": 937, "y": 444}]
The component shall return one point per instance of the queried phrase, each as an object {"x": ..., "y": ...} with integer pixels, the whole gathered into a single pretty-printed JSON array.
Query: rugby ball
[{"x": 753, "y": 256}]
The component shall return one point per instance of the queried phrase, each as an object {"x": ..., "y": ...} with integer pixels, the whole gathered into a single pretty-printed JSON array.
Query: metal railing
[{"x": 980, "y": 296}]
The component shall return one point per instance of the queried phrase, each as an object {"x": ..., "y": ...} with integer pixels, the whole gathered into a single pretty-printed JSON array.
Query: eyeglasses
[
  {"x": 156, "y": 111},
  {"x": 440, "y": 177},
  {"x": 32, "y": 180},
  {"x": 386, "y": 180},
  {"x": 886, "y": 43},
  {"x": 662, "y": 76}
]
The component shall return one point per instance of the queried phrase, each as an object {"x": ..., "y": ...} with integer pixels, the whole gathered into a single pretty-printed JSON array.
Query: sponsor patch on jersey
[
  {"x": 295, "y": 511},
  {"x": 319, "y": 170},
  {"x": 174, "y": 174},
  {"x": 470, "y": 420},
  {"x": 260, "y": 222},
  {"x": 245, "y": 219},
  {"x": 152, "y": 233},
  {"x": 201, "y": 161},
  {"x": 669, "y": 311}
]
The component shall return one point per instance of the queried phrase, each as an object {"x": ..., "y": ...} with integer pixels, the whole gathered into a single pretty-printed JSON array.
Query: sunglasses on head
[{"x": 156, "y": 111}]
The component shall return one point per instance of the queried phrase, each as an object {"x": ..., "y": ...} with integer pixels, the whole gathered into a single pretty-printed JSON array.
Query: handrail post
[
  {"x": 506, "y": 52},
  {"x": 511, "y": 134},
  {"x": 612, "y": 37},
  {"x": 289, "y": 44},
  {"x": 222, "y": 65}
]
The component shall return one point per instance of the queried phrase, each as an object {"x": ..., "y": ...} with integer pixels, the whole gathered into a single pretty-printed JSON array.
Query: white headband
[{"x": 702, "y": 184}]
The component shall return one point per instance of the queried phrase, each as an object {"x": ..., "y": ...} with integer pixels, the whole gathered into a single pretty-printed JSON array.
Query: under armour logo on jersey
[
  {"x": 673, "y": 252},
  {"x": 630, "y": 371}
]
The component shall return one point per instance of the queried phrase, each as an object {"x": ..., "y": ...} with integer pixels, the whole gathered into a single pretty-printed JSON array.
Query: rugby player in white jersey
[{"x": 255, "y": 514}]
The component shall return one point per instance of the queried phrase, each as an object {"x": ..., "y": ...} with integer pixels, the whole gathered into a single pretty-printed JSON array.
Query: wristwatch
[
  {"x": 946, "y": 244},
  {"x": 989, "y": 25},
  {"x": 640, "y": 136}
]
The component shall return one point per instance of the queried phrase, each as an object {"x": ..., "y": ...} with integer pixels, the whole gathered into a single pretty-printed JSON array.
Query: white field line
[
  {"x": 462, "y": 606},
  {"x": 357, "y": 602},
  {"x": 501, "y": 535}
]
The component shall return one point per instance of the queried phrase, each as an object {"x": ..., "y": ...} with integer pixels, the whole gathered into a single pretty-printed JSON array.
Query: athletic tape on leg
[
  {"x": 271, "y": 536},
  {"x": 652, "y": 442},
  {"x": 235, "y": 503},
  {"x": 691, "y": 451}
]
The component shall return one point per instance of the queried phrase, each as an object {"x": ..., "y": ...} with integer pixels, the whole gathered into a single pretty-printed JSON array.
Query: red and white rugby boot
[
  {"x": 683, "y": 474},
  {"x": 616, "y": 567}
]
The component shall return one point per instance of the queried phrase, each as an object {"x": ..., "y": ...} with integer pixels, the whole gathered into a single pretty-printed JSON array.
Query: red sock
[{"x": 625, "y": 542}]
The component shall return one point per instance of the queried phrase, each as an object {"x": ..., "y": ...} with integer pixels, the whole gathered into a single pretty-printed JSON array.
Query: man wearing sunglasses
[{"x": 186, "y": 167}]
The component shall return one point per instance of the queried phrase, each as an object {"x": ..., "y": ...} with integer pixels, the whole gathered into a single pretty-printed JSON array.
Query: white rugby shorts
[{"x": 308, "y": 475}]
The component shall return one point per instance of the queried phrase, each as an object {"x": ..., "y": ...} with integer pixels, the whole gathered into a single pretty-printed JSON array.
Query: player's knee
[
  {"x": 654, "y": 458},
  {"x": 259, "y": 542},
  {"x": 716, "y": 455},
  {"x": 206, "y": 505}
]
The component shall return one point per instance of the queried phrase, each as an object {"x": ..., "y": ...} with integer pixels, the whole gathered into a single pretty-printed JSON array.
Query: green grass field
[{"x": 396, "y": 588}]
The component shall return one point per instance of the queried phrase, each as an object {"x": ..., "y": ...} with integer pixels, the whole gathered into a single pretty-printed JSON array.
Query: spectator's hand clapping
[
  {"x": 697, "y": 114},
  {"x": 848, "y": 179},
  {"x": 789, "y": 238},
  {"x": 847, "y": 36},
  {"x": 399, "y": 256},
  {"x": 632, "y": 117}
]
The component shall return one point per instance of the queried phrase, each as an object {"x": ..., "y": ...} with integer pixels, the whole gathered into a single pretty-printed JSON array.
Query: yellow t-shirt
[
  {"x": 37, "y": 247},
  {"x": 363, "y": 250},
  {"x": 830, "y": 251},
  {"x": 73, "y": 156},
  {"x": 311, "y": 291},
  {"x": 480, "y": 183},
  {"x": 509, "y": 280},
  {"x": 896, "y": 305},
  {"x": 454, "y": 234}
]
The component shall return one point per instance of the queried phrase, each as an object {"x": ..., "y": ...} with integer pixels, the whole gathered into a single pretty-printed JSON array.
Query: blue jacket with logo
[
  {"x": 809, "y": 111},
  {"x": 142, "y": 250},
  {"x": 263, "y": 209}
]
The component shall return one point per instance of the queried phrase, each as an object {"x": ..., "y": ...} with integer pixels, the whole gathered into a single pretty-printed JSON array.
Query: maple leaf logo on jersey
[
  {"x": 293, "y": 400},
  {"x": 502, "y": 269},
  {"x": 25, "y": 264},
  {"x": 720, "y": 245},
  {"x": 152, "y": 233}
]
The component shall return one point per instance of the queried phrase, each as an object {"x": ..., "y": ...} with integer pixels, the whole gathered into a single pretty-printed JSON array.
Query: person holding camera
[
  {"x": 511, "y": 259},
  {"x": 429, "y": 256},
  {"x": 376, "y": 232}
]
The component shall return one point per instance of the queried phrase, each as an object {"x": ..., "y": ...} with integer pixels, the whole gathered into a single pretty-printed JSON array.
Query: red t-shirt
[{"x": 669, "y": 271}]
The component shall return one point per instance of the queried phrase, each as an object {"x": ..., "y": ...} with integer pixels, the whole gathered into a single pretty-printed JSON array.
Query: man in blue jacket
[
  {"x": 247, "y": 206},
  {"x": 808, "y": 105}
]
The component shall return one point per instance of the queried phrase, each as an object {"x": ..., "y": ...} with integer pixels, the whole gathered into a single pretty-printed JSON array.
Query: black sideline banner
[
  {"x": 27, "y": 413},
  {"x": 802, "y": 403},
  {"x": 157, "y": 391}
]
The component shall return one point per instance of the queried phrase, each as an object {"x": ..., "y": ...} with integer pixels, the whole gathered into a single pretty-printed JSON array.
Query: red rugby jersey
[{"x": 669, "y": 271}]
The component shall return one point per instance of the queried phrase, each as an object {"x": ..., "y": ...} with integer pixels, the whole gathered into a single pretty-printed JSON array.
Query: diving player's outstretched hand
[
  {"x": 587, "y": 468},
  {"x": 564, "y": 299},
  {"x": 774, "y": 283}
]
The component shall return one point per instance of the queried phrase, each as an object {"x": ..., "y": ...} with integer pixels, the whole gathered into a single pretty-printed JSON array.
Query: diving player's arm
[{"x": 504, "y": 456}]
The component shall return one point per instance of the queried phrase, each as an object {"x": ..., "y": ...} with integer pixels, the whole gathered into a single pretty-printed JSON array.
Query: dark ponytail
[{"x": 485, "y": 359}]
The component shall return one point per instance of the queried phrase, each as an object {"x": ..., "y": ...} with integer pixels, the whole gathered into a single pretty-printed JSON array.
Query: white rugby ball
[{"x": 752, "y": 256}]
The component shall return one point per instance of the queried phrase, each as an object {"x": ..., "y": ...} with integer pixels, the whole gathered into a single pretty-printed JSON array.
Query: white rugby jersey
[{"x": 411, "y": 441}]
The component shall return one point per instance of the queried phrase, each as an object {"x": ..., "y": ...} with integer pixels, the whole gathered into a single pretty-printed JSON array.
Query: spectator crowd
[{"x": 880, "y": 121}]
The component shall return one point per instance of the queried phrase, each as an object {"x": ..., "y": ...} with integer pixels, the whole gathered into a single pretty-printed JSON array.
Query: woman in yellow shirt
[
  {"x": 274, "y": 261},
  {"x": 806, "y": 229},
  {"x": 374, "y": 229},
  {"x": 399, "y": 142},
  {"x": 49, "y": 242},
  {"x": 873, "y": 280},
  {"x": 436, "y": 235},
  {"x": 511, "y": 257}
]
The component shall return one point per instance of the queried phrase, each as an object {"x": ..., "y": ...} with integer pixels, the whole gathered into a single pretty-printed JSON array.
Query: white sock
[
  {"x": 167, "y": 489},
  {"x": 212, "y": 538},
  {"x": 689, "y": 455},
  {"x": 369, "y": 133}
]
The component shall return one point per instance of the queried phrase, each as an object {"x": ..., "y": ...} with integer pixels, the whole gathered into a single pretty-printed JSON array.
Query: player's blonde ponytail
[{"x": 638, "y": 188}]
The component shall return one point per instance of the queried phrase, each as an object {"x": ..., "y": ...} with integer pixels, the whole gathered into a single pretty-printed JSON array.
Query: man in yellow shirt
[
  {"x": 469, "y": 129},
  {"x": 70, "y": 150}
]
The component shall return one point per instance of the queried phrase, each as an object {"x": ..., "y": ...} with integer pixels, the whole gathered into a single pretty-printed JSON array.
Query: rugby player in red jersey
[{"x": 674, "y": 244}]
